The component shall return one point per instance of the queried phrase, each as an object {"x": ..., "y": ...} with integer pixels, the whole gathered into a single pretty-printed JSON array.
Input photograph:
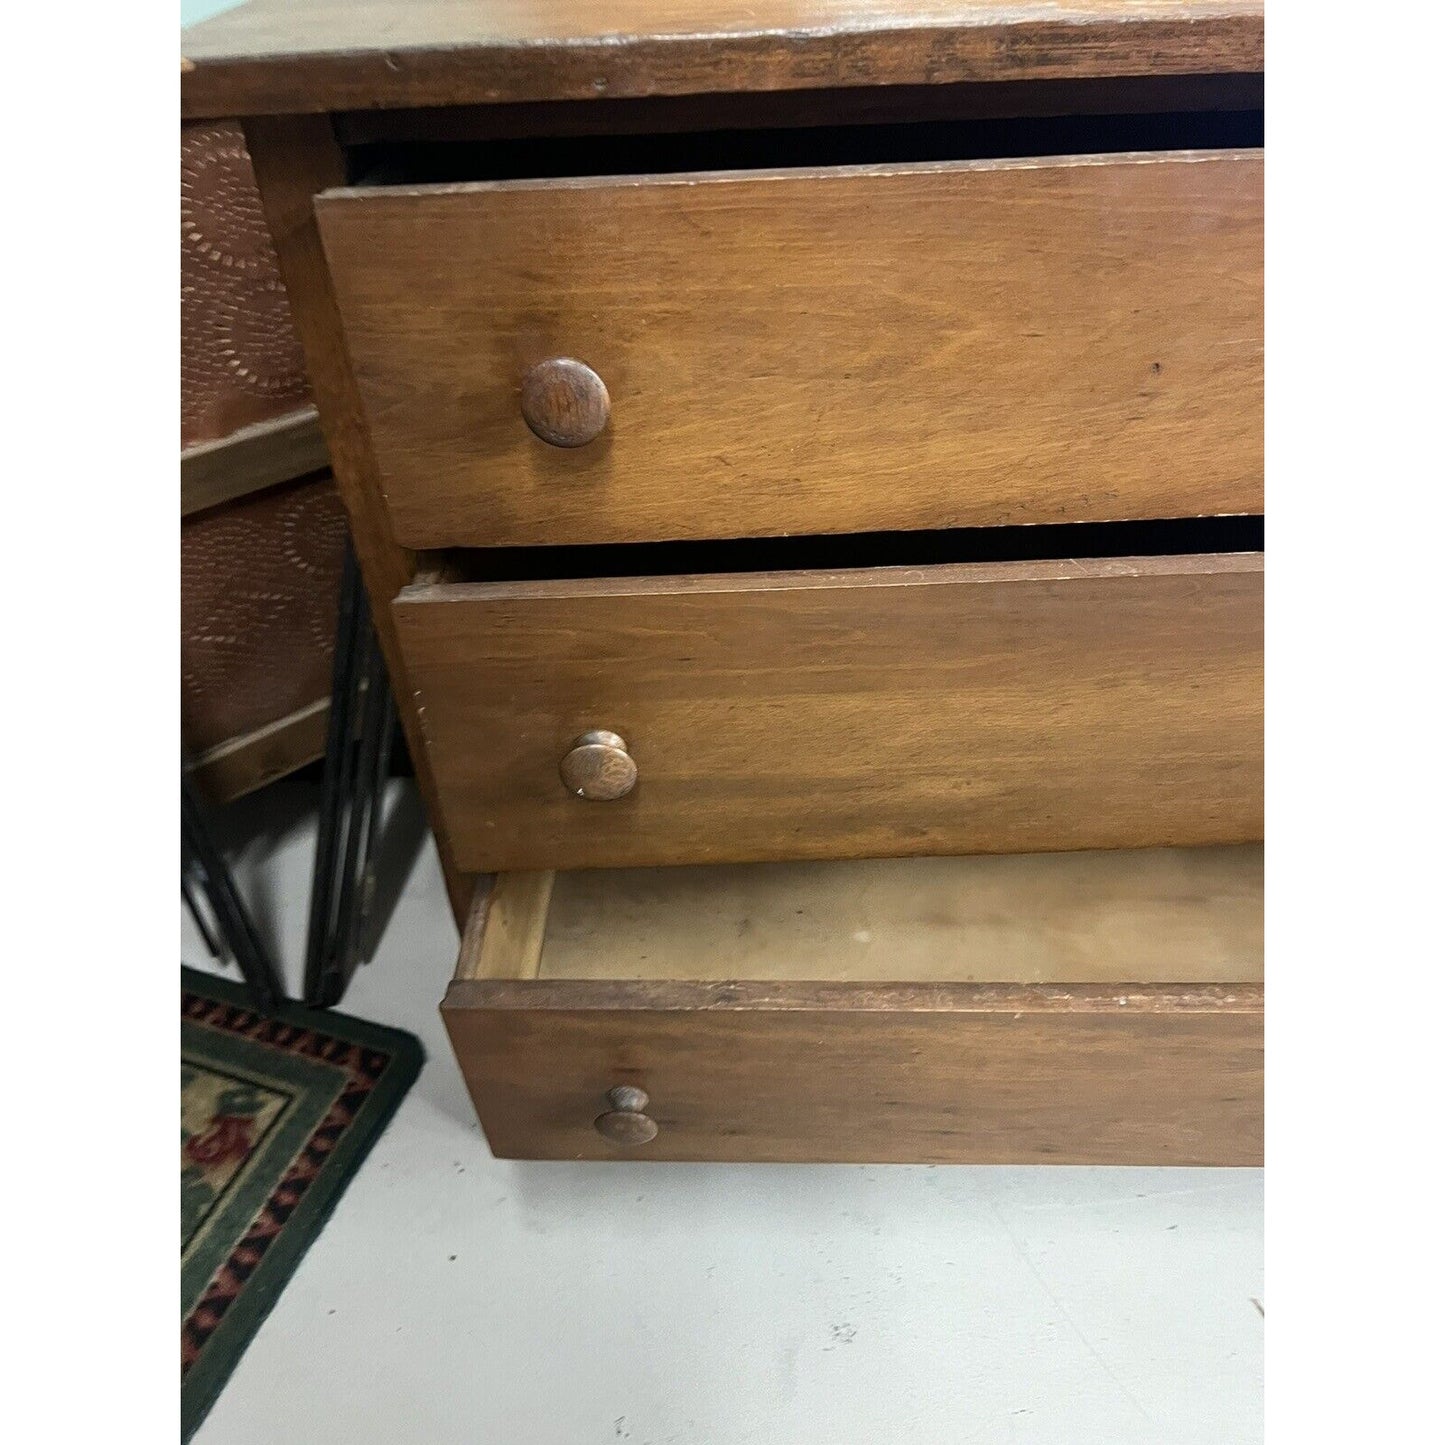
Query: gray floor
[{"x": 456, "y": 1300}]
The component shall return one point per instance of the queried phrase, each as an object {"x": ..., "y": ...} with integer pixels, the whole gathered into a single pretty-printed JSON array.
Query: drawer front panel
[
  {"x": 857, "y": 1073},
  {"x": 1008, "y": 707},
  {"x": 846, "y": 350}
]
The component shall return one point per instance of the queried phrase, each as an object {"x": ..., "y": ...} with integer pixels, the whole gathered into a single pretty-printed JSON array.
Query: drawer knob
[
  {"x": 624, "y": 1123},
  {"x": 599, "y": 767},
  {"x": 565, "y": 402}
]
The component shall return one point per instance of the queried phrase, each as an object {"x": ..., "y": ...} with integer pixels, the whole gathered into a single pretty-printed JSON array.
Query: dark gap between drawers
[
  {"x": 1067, "y": 540},
  {"x": 446, "y": 162},
  {"x": 779, "y": 109}
]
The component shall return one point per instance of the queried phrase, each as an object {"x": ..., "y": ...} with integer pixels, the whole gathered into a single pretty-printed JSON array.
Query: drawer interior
[
  {"x": 719, "y": 141},
  {"x": 949, "y": 546},
  {"x": 1152, "y": 915}
]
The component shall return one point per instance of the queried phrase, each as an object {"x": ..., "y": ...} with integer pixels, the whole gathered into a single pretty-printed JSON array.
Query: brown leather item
[
  {"x": 240, "y": 360},
  {"x": 259, "y": 583},
  {"x": 260, "y": 576}
]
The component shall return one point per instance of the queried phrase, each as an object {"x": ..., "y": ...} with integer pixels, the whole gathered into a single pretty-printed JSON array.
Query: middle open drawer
[{"x": 1110, "y": 702}]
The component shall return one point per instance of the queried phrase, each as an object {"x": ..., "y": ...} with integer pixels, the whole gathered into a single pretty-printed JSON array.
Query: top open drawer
[{"x": 826, "y": 350}]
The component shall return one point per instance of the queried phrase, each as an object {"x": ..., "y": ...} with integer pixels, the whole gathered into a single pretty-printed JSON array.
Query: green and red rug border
[{"x": 247, "y": 1287}]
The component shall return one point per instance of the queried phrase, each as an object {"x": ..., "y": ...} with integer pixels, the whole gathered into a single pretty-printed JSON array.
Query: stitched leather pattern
[
  {"x": 259, "y": 584},
  {"x": 240, "y": 360}
]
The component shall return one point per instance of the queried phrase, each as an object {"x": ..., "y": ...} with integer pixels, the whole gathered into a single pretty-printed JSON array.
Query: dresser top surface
[{"x": 278, "y": 56}]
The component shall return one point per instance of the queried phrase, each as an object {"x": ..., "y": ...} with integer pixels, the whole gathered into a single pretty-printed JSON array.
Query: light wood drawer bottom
[{"x": 1099, "y": 1008}]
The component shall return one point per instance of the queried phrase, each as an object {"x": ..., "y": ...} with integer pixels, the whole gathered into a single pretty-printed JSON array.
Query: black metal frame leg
[
  {"x": 358, "y": 749},
  {"x": 206, "y": 880}
]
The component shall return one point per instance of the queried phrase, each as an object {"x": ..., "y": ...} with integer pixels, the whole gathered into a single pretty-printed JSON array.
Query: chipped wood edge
[
  {"x": 381, "y": 200},
  {"x": 225, "y": 74},
  {"x": 1010, "y": 999}
]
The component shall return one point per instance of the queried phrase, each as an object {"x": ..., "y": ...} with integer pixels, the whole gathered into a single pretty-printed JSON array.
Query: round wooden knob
[
  {"x": 599, "y": 767},
  {"x": 565, "y": 402},
  {"x": 625, "y": 1123}
]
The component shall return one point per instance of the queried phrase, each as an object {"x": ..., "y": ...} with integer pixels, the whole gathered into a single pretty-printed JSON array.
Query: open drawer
[
  {"x": 623, "y": 358},
  {"x": 1093, "y": 1007},
  {"x": 867, "y": 712}
]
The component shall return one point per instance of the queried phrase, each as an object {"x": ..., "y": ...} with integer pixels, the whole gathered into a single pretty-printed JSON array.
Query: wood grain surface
[
  {"x": 503, "y": 936},
  {"x": 1140, "y": 915},
  {"x": 835, "y": 350},
  {"x": 275, "y": 56},
  {"x": 1002, "y": 707},
  {"x": 920, "y": 1073},
  {"x": 294, "y": 158}
]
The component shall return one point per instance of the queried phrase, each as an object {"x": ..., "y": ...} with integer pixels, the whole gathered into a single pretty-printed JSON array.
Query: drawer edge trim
[
  {"x": 698, "y": 996},
  {"x": 992, "y": 574}
]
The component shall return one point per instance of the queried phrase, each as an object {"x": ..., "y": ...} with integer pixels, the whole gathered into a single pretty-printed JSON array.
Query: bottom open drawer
[{"x": 1095, "y": 1007}]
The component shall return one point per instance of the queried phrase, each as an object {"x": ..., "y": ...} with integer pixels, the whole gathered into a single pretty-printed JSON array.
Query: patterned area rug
[{"x": 276, "y": 1113}]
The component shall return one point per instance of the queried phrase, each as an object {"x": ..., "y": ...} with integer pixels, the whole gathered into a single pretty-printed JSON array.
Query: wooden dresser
[{"x": 807, "y": 464}]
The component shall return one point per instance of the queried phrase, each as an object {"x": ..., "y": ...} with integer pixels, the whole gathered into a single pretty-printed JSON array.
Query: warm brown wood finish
[
  {"x": 240, "y": 765},
  {"x": 624, "y": 1123},
  {"x": 1004, "y": 1041},
  {"x": 564, "y": 402},
  {"x": 598, "y": 767},
  {"x": 976, "y": 708},
  {"x": 851, "y": 349},
  {"x": 792, "y": 354},
  {"x": 917, "y": 1073},
  {"x": 273, "y": 56},
  {"x": 255, "y": 457},
  {"x": 294, "y": 158}
]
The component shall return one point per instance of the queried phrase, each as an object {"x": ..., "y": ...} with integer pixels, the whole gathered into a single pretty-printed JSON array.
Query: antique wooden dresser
[{"x": 806, "y": 460}]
